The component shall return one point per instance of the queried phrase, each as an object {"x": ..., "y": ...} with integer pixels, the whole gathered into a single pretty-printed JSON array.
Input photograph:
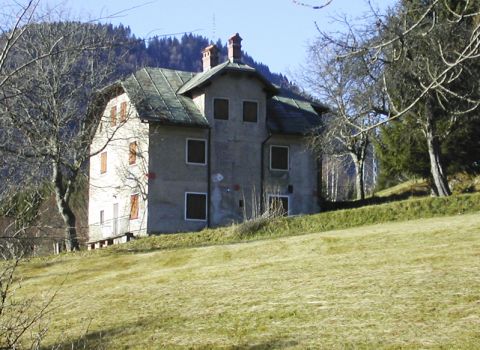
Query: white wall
[{"x": 121, "y": 180}]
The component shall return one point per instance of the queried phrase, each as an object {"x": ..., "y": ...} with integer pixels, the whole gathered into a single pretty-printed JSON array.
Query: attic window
[
  {"x": 113, "y": 116},
  {"x": 196, "y": 152},
  {"x": 279, "y": 157},
  {"x": 220, "y": 108},
  {"x": 250, "y": 111}
]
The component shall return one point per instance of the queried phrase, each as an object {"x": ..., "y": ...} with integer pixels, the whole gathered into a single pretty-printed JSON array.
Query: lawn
[{"x": 402, "y": 285}]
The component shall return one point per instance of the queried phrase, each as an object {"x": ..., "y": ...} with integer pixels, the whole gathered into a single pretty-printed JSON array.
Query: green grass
[
  {"x": 411, "y": 187},
  {"x": 398, "y": 285},
  {"x": 334, "y": 220}
]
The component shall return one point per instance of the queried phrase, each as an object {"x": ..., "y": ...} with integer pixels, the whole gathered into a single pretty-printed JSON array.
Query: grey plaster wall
[
  {"x": 170, "y": 177},
  {"x": 236, "y": 148},
  {"x": 235, "y": 164},
  {"x": 301, "y": 175}
]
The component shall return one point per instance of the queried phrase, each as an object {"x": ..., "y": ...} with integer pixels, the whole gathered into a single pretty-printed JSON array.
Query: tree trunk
[
  {"x": 359, "y": 163},
  {"x": 66, "y": 212},
  {"x": 436, "y": 168}
]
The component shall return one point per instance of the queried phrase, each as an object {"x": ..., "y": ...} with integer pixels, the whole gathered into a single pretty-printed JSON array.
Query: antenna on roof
[{"x": 213, "y": 28}]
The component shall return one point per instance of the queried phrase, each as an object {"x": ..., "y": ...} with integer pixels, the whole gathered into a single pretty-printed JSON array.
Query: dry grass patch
[{"x": 403, "y": 285}]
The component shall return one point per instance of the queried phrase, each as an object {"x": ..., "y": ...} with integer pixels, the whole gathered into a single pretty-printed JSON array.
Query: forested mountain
[{"x": 182, "y": 53}]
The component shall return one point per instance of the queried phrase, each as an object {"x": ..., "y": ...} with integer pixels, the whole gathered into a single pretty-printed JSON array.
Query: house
[{"x": 179, "y": 151}]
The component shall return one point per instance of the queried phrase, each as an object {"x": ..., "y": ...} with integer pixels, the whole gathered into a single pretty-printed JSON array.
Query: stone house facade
[{"x": 179, "y": 151}]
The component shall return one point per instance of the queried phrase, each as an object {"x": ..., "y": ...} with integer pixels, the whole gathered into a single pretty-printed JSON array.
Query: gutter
[
  {"x": 209, "y": 170},
  {"x": 262, "y": 171}
]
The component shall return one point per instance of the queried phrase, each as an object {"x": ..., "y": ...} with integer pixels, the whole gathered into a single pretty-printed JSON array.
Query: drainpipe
[
  {"x": 209, "y": 170},
  {"x": 262, "y": 172}
]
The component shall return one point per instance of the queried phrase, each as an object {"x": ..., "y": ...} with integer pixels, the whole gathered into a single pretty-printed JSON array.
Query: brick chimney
[
  {"x": 209, "y": 57},
  {"x": 235, "y": 48}
]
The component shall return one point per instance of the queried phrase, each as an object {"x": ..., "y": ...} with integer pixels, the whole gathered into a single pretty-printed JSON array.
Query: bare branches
[{"x": 314, "y": 7}]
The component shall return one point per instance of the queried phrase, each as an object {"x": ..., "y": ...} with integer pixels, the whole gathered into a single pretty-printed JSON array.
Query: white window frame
[
  {"x": 288, "y": 157},
  {"x": 213, "y": 107},
  {"x": 186, "y": 151},
  {"x": 280, "y": 196},
  {"x": 258, "y": 111},
  {"x": 185, "y": 207}
]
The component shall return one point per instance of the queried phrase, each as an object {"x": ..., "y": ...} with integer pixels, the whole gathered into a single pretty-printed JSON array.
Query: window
[
  {"x": 195, "y": 206},
  {"x": 102, "y": 217},
  {"x": 250, "y": 111},
  {"x": 113, "y": 116},
  {"x": 132, "y": 153},
  {"x": 220, "y": 108},
  {"x": 278, "y": 204},
  {"x": 196, "y": 151},
  {"x": 279, "y": 157},
  {"x": 134, "y": 206},
  {"x": 103, "y": 162},
  {"x": 123, "y": 112}
]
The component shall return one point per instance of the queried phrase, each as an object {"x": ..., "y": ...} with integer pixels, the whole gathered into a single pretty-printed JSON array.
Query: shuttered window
[
  {"x": 132, "y": 153},
  {"x": 134, "y": 206},
  {"x": 196, "y": 206},
  {"x": 103, "y": 162},
  {"x": 123, "y": 112},
  {"x": 113, "y": 116}
]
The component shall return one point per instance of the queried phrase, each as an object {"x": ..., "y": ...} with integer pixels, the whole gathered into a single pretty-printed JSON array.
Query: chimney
[
  {"x": 235, "y": 49},
  {"x": 209, "y": 57}
]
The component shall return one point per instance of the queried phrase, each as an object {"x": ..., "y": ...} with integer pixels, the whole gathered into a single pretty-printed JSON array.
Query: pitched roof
[
  {"x": 293, "y": 114},
  {"x": 153, "y": 92},
  {"x": 203, "y": 78},
  {"x": 158, "y": 94}
]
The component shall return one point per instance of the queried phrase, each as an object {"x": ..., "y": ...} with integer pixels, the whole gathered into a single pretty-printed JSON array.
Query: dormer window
[
  {"x": 250, "y": 111},
  {"x": 220, "y": 108}
]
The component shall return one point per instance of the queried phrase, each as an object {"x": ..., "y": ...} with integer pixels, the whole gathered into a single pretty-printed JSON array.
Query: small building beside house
[{"x": 179, "y": 151}]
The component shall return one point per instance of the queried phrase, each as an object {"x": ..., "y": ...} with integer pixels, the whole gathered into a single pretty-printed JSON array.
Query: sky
[{"x": 275, "y": 32}]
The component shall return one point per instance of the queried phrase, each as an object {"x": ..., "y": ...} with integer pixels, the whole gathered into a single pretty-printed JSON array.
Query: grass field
[{"x": 401, "y": 285}]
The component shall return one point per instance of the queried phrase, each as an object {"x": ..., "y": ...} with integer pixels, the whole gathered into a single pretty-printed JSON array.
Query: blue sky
[{"x": 275, "y": 32}]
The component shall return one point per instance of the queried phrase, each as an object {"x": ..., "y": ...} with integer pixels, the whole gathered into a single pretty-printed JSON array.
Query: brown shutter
[
  {"x": 123, "y": 112},
  {"x": 132, "y": 156},
  {"x": 113, "y": 116},
  {"x": 103, "y": 163},
  {"x": 134, "y": 206}
]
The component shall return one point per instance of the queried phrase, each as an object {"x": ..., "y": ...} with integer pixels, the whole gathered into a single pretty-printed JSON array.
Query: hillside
[{"x": 411, "y": 284}]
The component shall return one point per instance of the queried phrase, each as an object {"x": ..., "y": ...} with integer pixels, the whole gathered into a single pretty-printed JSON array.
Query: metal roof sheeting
[{"x": 157, "y": 94}]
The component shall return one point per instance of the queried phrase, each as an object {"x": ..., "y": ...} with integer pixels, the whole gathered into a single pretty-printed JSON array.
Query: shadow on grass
[
  {"x": 101, "y": 340},
  {"x": 330, "y": 206},
  {"x": 93, "y": 340}
]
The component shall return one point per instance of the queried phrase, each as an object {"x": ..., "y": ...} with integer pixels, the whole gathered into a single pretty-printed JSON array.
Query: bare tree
[
  {"x": 356, "y": 101},
  {"x": 48, "y": 117},
  {"x": 426, "y": 52}
]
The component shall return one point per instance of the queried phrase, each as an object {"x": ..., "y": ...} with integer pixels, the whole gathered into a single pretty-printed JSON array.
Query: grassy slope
[{"x": 410, "y": 285}]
